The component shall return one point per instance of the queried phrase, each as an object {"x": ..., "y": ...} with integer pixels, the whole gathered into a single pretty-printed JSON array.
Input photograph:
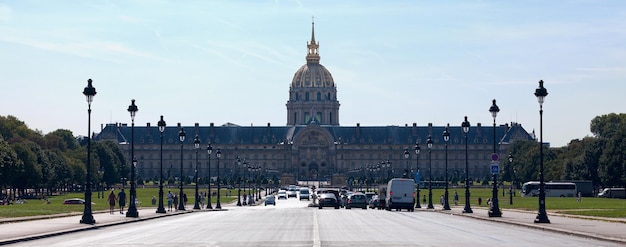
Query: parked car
[
  {"x": 292, "y": 192},
  {"x": 328, "y": 200},
  {"x": 357, "y": 200},
  {"x": 369, "y": 196},
  {"x": 74, "y": 201},
  {"x": 305, "y": 194},
  {"x": 270, "y": 200},
  {"x": 332, "y": 191},
  {"x": 282, "y": 194}
]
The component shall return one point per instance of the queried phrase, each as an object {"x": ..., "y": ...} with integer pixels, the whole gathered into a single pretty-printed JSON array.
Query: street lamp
[
  {"x": 466, "y": 128},
  {"x": 511, "y": 187},
  {"x": 542, "y": 216},
  {"x": 494, "y": 211},
  {"x": 417, "y": 175},
  {"x": 219, "y": 155},
  {"x": 239, "y": 182},
  {"x": 209, "y": 151},
  {"x": 161, "y": 208},
  {"x": 132, "y": 208},
  {"x": 181, "y": 137},
  {"x": 446, "y": 138},
  {"x": 87, "y": 218},
  {"x": 429, "y": 144},
  {"x": 406, "y": 158},
  {"x": 196, "y": 145}
]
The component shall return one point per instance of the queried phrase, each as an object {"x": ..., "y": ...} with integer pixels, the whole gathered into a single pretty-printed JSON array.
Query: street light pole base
[
  {"x": 467, "y": 210},
  {"x": 88, "y": 219},
  {"x": 542, "y": 218},
  {"x": 133, "y": 213},
  {"x": 495, "y": 213}
]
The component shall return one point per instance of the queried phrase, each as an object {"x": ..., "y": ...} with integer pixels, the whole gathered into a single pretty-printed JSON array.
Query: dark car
[
  {"x": 328, "y": 200},
  {"x": 74, "y": 201},
  {"x": 357, "y": 200}
]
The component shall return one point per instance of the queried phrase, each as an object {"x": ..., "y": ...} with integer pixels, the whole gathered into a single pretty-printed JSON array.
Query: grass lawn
[
  {"x": 144, "y": 195},
  {"x": 589, "y": 206}
]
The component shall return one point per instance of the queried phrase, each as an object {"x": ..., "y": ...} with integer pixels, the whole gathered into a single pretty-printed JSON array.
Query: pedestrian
[
  {"x": 489, "y": 203},
  {"x": 170, "y": 200},
  {"x": 153, "y": 200},
  {"x": 176, "y": 202},
  {"x": 480, "y": 201},
  {"x": 456, "y": 198},
  {"x": 579, "y": 196},
  {"x": 122, "y": 200},
  {"x": 245, "y": 198},
  {"x": 424, "y": 199},
  {"x": 442, "y": 200},
  {"x": 112, "y": 200},
  {"x": 185, "y": 199},
  {"x": 201, "y": 199}
]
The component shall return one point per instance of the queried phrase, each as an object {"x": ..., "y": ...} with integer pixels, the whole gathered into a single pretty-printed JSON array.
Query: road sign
[
  {"x": 495, "y": 168},
  {"x": 494, "y": 157}
]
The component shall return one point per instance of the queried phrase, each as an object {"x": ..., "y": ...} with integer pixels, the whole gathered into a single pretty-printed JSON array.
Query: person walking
[
  {"x": 170, "y": 200},
  {"x": 112, "y": 200},
  {"x": 456, "y": 198},
  {"x": 122, "y": 200},
  {"x": 176, "y": 202},
  {"x": 201, "y": 199},
  {"x": 185, "y": 199}
]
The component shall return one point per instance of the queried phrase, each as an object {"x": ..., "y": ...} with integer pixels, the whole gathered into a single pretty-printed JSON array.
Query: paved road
[{"x": 292, "y": 223}]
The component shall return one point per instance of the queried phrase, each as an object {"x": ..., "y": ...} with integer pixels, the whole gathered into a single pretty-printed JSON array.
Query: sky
[{"x": 394, "y": 62}]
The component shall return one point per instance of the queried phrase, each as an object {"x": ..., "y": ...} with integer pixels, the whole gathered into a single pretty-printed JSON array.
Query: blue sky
[{"x": 394, "y": 62}]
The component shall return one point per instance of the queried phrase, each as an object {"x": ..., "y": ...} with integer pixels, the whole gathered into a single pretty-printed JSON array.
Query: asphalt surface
[{"x": 16, "y": 230}]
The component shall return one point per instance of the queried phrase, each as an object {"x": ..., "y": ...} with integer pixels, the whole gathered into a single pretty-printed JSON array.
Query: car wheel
[{"x": 320, "y": 207}]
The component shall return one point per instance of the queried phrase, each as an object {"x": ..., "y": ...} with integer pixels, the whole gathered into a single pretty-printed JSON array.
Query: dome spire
[
  {"x": 313, "y": 47},
  {"x": 313, "y": 29}
]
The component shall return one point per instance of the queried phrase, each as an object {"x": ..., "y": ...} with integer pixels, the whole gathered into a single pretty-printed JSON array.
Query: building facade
[{"x": 313, "y": 145}]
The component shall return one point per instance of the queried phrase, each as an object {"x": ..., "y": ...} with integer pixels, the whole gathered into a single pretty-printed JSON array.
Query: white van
[
  {"x": 613, "y": 193},
  {"x": 400, "y": 194}
]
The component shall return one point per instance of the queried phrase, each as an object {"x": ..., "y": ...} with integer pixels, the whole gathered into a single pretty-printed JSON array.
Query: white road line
[{"x": 316, "y": 231}]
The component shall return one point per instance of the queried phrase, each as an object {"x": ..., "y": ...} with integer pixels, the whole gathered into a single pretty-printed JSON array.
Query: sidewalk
[
  {"x": 14, "y": 230},
  {"x": 608, "y": 229}
]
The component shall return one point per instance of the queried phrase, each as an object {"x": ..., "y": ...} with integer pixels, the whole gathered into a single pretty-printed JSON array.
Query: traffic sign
[
  {"x": 494, "y": 157},
  {"x": 495, "y": 168}
]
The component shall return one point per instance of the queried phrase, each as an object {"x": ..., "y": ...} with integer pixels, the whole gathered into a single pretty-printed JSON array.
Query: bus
[{"x": 553, "y": 189}]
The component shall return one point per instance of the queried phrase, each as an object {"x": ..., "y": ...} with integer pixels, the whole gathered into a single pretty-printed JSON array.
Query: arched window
[
  {"x": 306, "y": 96},
  {"x": 319, "y": 96}
]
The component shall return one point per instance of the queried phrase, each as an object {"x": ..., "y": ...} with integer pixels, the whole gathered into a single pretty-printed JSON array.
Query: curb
[{"x": 544, "y": 227}]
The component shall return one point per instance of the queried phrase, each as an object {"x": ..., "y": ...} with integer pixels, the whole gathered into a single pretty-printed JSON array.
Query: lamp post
[
  {"x": 87, "y": 218},
  {"x": 542, "y": 216},
  {"x": 446, "y": 138},
  {"x": 219, "y": 155},
  {"x": 429, "y": 144},
  {"x": 494, "y": 211},
  {"x": 209, "y": 150},
  {"x": 511, "y": 187},
  {"x": 196, "y": 145},
  {"x": 417, "y": 175},
  {"x": 181, "y": 137},
  {"x": 466, "y": 128},
  {"x": 406, "y": 158},
  {"x": 161, "y": 208},
  {"x": 132, "y": 208},
  {"x": 239, "y": 182}
]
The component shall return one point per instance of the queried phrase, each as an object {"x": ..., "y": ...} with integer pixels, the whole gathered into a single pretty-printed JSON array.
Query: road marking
[{"x": 316, "y": 231}]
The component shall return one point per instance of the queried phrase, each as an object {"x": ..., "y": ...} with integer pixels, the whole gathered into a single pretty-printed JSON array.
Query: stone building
[{"x": 313, "y": 145}]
